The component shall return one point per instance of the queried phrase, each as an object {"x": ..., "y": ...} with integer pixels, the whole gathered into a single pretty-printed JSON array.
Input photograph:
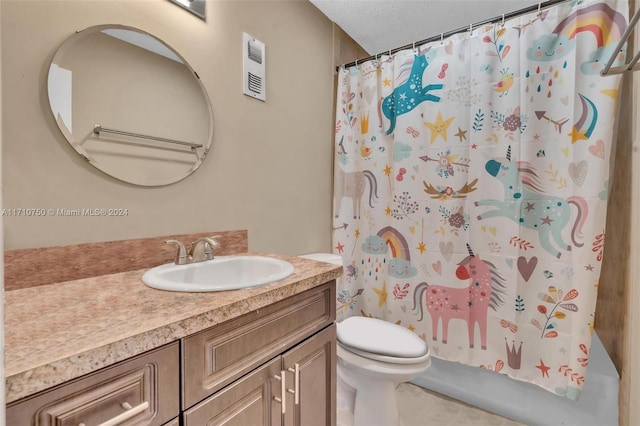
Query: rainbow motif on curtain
[{"x": 476, "y": 173}]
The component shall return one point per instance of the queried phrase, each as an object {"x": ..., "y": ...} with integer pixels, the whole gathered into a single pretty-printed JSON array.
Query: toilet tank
[{"x": 343, "y": 311}]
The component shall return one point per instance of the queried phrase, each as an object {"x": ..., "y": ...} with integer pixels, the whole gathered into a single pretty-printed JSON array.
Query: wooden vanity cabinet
[
  {"x": 142, "y": 390},
  {"x": 274, "y": 366}
]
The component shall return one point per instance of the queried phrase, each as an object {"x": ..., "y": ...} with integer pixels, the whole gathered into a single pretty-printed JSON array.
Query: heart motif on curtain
[
  {"x": 446, "y": 249},
  {"x": 526, "y": 267},
  {"x": 578, "y": 172},
  {"x": 368, "y": 93},
  {"x": 598, "y": 149},
  {"x": 437, "y": 266}
]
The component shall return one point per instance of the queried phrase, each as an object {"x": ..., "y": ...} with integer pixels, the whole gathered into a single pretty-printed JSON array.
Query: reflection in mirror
[{"x": 130, "y": 105}]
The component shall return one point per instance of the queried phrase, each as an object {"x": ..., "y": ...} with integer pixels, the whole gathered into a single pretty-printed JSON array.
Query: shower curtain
[{"x": 471, "y": 180}]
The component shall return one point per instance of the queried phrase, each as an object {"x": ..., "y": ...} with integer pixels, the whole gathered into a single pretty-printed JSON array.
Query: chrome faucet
[{"x": 201, "y": 250}]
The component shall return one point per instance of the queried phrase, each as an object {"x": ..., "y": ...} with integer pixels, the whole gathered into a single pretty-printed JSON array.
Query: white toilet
[{"x": 374, "y": 356}]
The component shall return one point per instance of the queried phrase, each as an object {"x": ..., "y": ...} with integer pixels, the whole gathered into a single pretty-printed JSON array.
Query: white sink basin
[{"x": 219, "y": 274}]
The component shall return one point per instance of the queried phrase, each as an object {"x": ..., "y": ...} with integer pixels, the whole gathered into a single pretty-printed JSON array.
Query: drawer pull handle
[
  {"x": 296, "y": 390},
  {"x": 282, "y": 400},
  {"x": 131, "y": 412}
]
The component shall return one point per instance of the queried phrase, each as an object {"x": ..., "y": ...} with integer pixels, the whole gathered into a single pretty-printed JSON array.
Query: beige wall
[{"x": 270, "y": 167}]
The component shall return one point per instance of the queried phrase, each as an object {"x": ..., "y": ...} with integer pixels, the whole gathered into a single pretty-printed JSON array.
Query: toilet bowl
[{"x": 374, "y": 356}]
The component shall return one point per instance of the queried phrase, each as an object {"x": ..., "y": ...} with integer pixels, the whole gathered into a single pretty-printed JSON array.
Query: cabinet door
[
  {"x": 216, "y": 357},
  {"x": 311, "y": 381},
  {"x": 251, "y": 400}
]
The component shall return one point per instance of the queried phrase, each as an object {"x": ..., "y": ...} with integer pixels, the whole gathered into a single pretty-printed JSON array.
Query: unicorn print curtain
[{"x": 471, "y": 179}]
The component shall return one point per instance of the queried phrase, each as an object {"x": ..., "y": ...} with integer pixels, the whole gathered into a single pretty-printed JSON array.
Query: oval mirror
[{"x": 130, "y": 105}]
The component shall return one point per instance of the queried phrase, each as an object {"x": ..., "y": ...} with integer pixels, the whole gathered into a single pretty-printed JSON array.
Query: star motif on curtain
[
  {"x": 422, "y": 247},
  {"x": 387, "y": 82},
  {"x": 439, "y": 127},
  {"x": 546, "y": 220},
  {"x": 578, "y": 135},
  {"x": 530, "y": 206},
  {"x": 382, "y": 294},
  {"x": 613, "y": 93},
  {"x": 387, "y": 170},
  {"x": 462, "y": 134},
  {"x": 340, "y": 248},
  {"x": 543, "y": 369}
]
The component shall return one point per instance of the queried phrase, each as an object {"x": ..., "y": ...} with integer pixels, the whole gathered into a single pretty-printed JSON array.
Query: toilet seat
[
  {"x": 381, "y": 341},
  {"x": 385, "y": 358}
]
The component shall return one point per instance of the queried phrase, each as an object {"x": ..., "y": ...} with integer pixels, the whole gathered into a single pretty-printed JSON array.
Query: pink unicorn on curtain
[{"x": 470, "y": 303}]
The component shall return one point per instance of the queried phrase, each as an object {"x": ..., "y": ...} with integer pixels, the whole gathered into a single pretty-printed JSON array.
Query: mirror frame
[{"x": 73, "y": 141}]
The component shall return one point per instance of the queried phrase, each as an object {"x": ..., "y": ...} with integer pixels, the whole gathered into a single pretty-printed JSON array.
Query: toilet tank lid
[
  {"x": 335, "y": 259},
  {"x": 380, "y": 337}
]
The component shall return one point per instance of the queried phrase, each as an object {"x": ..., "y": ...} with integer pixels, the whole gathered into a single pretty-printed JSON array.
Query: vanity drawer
[
  {"x": 143, "y": 390},
  {"x": 219, "y": 355}
]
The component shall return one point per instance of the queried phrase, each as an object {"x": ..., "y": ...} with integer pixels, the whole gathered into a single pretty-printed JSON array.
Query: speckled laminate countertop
[{"x": 57, "y": 332}]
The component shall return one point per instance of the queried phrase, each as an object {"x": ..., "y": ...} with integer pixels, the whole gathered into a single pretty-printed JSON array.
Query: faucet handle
[
  {"x": 215, "y": 241},
  {"x": 208, "y": 243},
  {"x": 181, "y": 256}
]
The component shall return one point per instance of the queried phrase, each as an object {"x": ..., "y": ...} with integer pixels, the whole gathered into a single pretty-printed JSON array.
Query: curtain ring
[
  {"x": 502, "y": 25},
  {"x": 356, "y": 62},
  {"x": 470, "y": 28},
  {"x": 441, "y": 38},
  {"x": 414, "y": 47},
  {"x": 539, "y": 8}
]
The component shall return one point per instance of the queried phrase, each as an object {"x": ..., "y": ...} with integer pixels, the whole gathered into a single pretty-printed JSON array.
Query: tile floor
[{"x": 420, "y": 407}]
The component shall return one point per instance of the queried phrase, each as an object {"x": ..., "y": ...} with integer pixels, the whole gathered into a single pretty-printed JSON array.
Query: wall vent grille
[
  {"x": 255, "y": 51},
  {"x": 255, "y": 83},
  {"x": 253, "y": 67}
]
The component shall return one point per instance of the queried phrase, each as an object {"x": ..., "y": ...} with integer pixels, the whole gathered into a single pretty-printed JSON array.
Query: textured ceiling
[{"x": 381, "y": 25}]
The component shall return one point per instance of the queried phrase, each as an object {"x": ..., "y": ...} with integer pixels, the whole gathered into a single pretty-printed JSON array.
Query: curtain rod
[{"x": 538, "y": 7}]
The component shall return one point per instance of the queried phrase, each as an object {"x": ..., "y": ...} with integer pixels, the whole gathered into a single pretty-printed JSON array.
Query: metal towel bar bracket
[
  {"x": 97, "y": 129},
  {"x": 631, "y": 66}
]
